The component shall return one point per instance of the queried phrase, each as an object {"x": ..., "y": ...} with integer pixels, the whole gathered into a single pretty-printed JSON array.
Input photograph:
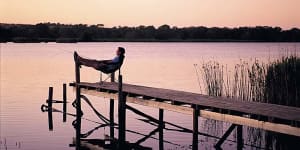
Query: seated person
[{"x": 106, "y": 66}]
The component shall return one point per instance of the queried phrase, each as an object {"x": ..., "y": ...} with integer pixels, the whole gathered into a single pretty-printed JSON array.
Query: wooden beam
[
  {"x": 111, "y": 118},
  {"x": 112, "y": 77},
  {"x": 239, "y": 137},
  {"x": 224, "y": 137},
  {"x": 195, "y": 127},
  {"x": 284, "y": 113},
  {"x": 275, "y": 127},
  {"x": 50, "y": 119},
  {"x": 111, "y": 111},
  {"x": 122, "y": 115},
  {"x": 64, "y": 102},
  {"x": 78, "y": 106},
  {"x": 161, "y": 129},
  {"x": 147, "y": 137}
]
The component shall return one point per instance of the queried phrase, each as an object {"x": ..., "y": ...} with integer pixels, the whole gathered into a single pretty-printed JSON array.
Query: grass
[
  {"x": 283, "y": 82},
  {"x": 277, "y": 82}
]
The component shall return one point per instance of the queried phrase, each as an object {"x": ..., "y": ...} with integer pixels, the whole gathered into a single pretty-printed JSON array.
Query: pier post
[
  {"x": 161, "y": 129},
  {"x": 195, "y": 127},
  {"x": 111, "y": 113},
  {"x": 122, "y": 114},
  {"x": 64, "y": 102},
  {"x": 239, "y": 137},
  {"x": 50, "y": 98},
  {"x": 78, "y": 106}
]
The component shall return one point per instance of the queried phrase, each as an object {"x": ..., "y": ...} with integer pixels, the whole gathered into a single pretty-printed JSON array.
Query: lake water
[{"x": 27, "y": 70}]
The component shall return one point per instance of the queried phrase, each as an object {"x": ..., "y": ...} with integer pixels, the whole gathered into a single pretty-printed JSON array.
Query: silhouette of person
[{"x": 106, "y": 66}]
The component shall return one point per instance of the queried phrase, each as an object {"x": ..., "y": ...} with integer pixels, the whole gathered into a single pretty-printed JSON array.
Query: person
[{"x": 106, "y": 66}]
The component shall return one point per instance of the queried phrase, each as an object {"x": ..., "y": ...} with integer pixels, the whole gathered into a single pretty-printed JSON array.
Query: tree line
[{"x": 55, "y": 32}]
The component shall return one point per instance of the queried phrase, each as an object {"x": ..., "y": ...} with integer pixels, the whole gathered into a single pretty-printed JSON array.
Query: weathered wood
[
  {"x": 78, "y": 106},
  {"x": 111, "y": 118},
  {"x": 50, "y": 119},
  {"x": 161, "y": 129},
  {"x": 64, "y": 102},
  {"x": 111, "y": 110},
  {"x": 264, "y": 109},
  {"x": 112, "y": 77},
  {"x": 122, "y": 114},
  {"x": 195, "y": 127},
  {"x": 241, "y": 120},
  {"x": 289, "y": 113},
  {"x": 239, "y": 137}
]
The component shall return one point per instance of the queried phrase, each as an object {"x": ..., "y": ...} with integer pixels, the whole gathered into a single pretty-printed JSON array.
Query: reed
[
  {"x": 283, "y": 82},
  {"x": 213, "y": 78},
  {"x": 277, "y": 82},
  {"x": 214, "y": 86}
]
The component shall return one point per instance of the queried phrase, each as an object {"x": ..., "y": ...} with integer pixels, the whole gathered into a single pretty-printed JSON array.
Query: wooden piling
[
  {"x": 78, "y": 106},
  {"x": 111, "y": 109},
  {"x": 64, "y": 102},
  {"x": 50, "y": 98},
  {"x": 161, "y": 129},
  {"x": 111, "y": 118},
  {"x": 122, "y": 115},
  {"x": 239, "y": 137},
  {"x": 112, "y": 77},
  {"x": 195, "y": 127}
]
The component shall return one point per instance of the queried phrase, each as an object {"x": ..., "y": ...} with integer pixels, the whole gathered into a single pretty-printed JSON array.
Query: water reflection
[
  {"x": 28, "y": 69},
  {"x": 6, "y": 144}
]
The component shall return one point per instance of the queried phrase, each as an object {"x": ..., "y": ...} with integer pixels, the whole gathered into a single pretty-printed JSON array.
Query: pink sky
[{"x": 220, "y": 13}]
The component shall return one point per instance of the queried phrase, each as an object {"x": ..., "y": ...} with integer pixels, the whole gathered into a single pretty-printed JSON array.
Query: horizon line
[{"x": 156, "y": 26}]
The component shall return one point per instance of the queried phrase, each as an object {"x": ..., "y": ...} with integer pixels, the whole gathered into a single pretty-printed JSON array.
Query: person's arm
[
  {"x": 105, "y": 61},
  {"x": 111, "y": 62}
]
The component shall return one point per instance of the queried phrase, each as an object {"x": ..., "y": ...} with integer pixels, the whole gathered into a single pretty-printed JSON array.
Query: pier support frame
[
  {"x": 78, "y": 107},
  {"x": 111, "y": 111},
  {"x": 195, "y": 127},
  {"x": 161, "y": 129},
  {"x": 122, "y": 115},
  {"x": 239, "y": 136},
  {"x": 64, "y": 102},
  {"x": 50, "y": 100}
]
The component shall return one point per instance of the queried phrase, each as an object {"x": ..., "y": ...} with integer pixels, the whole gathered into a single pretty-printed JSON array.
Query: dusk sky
[{"x": 219, "y": 13}]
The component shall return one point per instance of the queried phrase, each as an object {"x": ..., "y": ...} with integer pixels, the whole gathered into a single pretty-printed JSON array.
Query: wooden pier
[
  {"x": 277, "y": 118},
  {"x": 271, "y": 117}
]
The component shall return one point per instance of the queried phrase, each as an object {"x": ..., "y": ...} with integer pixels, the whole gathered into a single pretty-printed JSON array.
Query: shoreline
[{"x": 148, "y": 41}]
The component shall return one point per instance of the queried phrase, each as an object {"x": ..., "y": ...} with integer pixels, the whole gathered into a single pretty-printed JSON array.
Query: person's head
[{"x": 121, "y": 51}]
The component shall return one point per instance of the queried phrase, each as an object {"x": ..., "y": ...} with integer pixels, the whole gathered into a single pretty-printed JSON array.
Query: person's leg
[{"x": 88, "y": 62}]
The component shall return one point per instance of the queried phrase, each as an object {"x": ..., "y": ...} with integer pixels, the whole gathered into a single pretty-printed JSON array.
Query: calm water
[{"x": 27, "y": 70}]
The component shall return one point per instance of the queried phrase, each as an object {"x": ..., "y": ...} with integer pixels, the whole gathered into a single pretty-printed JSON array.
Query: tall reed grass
[
  {"x": 283, "y": 82},
  {"x": 277, "y": 82}
]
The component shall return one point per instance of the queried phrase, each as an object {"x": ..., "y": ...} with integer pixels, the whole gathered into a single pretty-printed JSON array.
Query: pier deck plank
[{"x": 256, "y": 108}]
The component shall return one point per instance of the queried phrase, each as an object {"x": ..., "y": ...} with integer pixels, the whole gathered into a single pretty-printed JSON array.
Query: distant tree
[
  {"x": 86, "y": 37},
  {"x": 163, "y": 32},
  {"x": 5, "y": 34},
  {"x": 42, "y": 30},
  {"x": 83, "y": 32}
]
